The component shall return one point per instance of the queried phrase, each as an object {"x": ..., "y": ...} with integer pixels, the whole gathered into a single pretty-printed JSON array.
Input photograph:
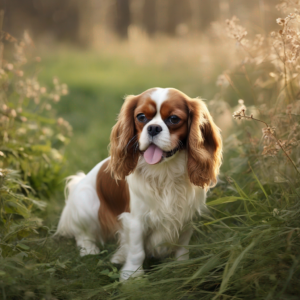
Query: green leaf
[
  {"x": 260, "y": 185},
  {"x": 105, "y": 272},
  {"x": 23, "y": 247},
  {"x": 39, "y": 118},
  {"x": 17, "y": 208},
  {"x": 228, "y": 272},
  {"x": 41, "y": 148}
]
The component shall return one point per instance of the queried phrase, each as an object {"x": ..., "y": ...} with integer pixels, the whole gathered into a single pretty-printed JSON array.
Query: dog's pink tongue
[{"x": 153, "y": 155}]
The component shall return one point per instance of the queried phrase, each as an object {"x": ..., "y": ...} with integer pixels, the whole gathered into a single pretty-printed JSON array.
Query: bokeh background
[
  {"x": 106, "y": 49},
  {"x": 65, "y": 67}
]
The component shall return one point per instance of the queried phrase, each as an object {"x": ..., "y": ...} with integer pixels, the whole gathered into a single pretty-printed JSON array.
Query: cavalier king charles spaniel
[{"x": 165, "y": 152}]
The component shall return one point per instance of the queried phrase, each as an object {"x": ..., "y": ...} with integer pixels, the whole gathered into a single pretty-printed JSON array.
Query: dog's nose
[{"x": 154, "y": 129}]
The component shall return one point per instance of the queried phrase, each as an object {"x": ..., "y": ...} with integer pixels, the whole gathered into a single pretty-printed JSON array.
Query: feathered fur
[{"x": 164, "y": 197}]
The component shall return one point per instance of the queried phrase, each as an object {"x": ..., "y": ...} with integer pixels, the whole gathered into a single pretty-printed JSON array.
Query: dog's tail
[
  {"x": 71, "y": 183},
  {"x": 64, "y": 227}
]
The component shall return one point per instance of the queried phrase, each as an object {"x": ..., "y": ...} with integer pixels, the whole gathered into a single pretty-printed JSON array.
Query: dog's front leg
[
  {"x": 182, "y": 253},
  {"x": 133, "y": 266}
]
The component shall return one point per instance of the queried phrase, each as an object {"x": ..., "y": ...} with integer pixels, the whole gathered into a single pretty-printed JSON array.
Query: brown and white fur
[{"x": 149, "y": 205}]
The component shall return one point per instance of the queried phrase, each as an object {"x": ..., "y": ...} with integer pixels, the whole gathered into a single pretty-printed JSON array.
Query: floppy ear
[
  {"x": 124, "y": 156},
  {"x": 204, "y": 146}
]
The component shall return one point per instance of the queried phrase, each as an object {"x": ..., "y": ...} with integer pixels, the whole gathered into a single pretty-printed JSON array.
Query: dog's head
[{"x": 160, "y": 122}]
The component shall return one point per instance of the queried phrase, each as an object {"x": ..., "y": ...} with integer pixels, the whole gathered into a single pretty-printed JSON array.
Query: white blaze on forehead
[
  {"x": 159, "y": 96},
  {"x": 162, "y": 140}
]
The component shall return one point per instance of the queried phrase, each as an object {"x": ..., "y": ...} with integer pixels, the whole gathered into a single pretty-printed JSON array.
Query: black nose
[{"x": 154, "y": 129}]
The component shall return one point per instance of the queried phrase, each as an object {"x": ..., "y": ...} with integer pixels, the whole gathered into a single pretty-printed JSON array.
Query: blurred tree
[
  {"x": 149, "y": 16},
  {"x": 122, "y": 18},
  {"x": 171, "y": 13},
  {"x": 203, "y": 12},
  {"x": 86, "y": 21},
  {"x": 48, "y": 18}
]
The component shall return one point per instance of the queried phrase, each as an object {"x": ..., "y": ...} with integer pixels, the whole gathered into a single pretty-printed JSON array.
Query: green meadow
[{"x": 245, "y": 246}]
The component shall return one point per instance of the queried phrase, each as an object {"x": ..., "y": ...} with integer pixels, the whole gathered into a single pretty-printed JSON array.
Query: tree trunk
[
  {"x": 122, "y": 20},
  {"x": 149, "y": 16}
]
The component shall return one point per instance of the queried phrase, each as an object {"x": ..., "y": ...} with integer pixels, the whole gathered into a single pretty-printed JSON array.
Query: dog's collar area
[{"x": 170, "y": 153}]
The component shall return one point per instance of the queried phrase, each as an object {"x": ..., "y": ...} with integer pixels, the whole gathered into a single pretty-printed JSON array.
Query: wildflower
[
  {"x": 13, "y": 113},
  {"x": 23, "y": 119},
  {"x": 21, "y": 131},
  {"x": 289, "y": 109},
  {"x": 36, "y": 86},
  {"x": 236, "y": 31},
  {"x": 55, "y": 81},
  {"x": 222, "y": 81},
  {"x": 239, "y": 114},
  {"x": 56, "y": 155},
  {"x": 2, "y": 154},
  {"x": 4, "y": 119},
  {"x": 270, "y": 150},
  {"x": 280, "y": 21},
  {"x": 292, "y": 16},
  {"x": 48, "y": 107},
  {"x": 19, "y": 73},
  {"x": 47, "y": 131},
  {"x": 60, "y": 121},
  {"x": 56, "y": 98},
  {"x": 268, "y": 131},
  {"x": 9, "y": 67},
  {"x": 43, "y": 90}
]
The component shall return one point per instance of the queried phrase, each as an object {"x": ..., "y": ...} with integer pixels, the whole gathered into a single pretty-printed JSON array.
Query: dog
[{"x": 165, "y": 153}]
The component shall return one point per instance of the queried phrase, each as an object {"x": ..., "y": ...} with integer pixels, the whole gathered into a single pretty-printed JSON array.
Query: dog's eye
[
  {"x": 142, "y": 118},
  {"x": 174, "y": 119}
]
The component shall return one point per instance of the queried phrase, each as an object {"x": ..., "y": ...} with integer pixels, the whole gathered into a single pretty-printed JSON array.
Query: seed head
[{"x": 280, "y": 21}]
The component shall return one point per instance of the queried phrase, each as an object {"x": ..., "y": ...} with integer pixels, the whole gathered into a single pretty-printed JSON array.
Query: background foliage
[{"x": 245, "y": 247}]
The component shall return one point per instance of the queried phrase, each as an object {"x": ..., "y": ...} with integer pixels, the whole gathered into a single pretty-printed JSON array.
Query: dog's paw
[
  {"x": 118, "y": 258},
  {"x": 182, "y": 254},
  {"x": 131, "y": 271},
  {"x": 91, "y": 250}
]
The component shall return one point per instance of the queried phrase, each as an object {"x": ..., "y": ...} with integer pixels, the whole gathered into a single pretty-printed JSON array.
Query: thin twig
[
  {"x": 278, "y": 142},
  {"x": 285, "y": 71}
]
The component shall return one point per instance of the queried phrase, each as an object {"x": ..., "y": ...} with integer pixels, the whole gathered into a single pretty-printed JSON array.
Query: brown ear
[
  {"x": 123, "y": 139},
  {"x": 204, "y": 146}
]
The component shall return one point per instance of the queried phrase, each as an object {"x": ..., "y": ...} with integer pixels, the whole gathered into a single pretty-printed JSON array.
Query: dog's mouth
[{"x": 154, "y": 155}]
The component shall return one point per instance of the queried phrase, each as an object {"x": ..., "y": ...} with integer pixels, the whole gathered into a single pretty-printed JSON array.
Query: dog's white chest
[{"x": 167, "y": 202}]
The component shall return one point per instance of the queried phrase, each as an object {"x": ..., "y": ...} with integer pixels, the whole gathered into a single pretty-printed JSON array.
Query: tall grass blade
[{"x": 228, "y": 272}]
